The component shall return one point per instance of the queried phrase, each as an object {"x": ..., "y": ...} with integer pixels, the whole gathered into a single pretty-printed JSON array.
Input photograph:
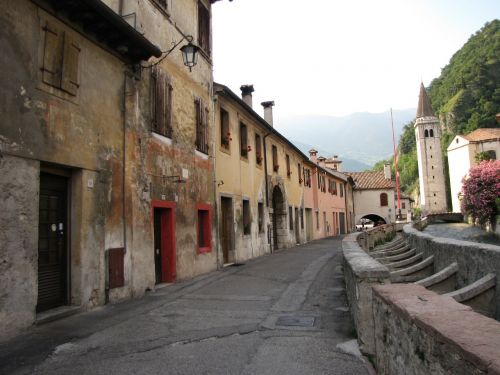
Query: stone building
[
  {"x": 259, "y": 183},
  {"x": 462, "y": 156},
  {"x": 106, "y": 157},
  {"x": 374, "y": 196},
  {"x": 430, "y": 160}
]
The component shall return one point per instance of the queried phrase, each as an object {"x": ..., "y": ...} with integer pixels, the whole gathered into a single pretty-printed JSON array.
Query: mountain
[
  {"x": 466, "y": 96},
  {"x": 361, "y": 137},
  {"x": 347, "y": 164}
]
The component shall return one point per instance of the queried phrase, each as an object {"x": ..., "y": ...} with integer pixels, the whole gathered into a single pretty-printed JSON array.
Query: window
[
  {"x": 299, "y": 173},
  {"x": 341, "y": 186},
  {"x": 162, "y": 3},
  {"x": 260, "y": 209},
  {"x": 243, "y": 140},
  {"x": 203, "y": 28},
  {"x": 383, "y": 200},
  {"x": 288, "y": 171},
  {"x": 426, "y": 133},
  {"x": 247, "y": 217},
  {"x": 225, "y": 134},
  {"x": 290, "y": 217},
  {"x": 161, "y": 103},
  {"x": 201, "y": 126},
  {"x": 403, "y": 205},
  {"x": 60, "y": 60},
  {"x": 275, "y": 159},
  {"x": 307, "y": 177},
  {"x": 204, "y": 229},
  {"x": 301, "y": 218},
  {"x": 258, "y": 149},
  {"x": 334, "y": 188},
  {"x": 317, "y": 220},
  {"x": 431, "y": 133}
]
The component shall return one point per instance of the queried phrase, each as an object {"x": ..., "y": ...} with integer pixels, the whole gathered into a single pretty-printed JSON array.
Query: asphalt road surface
[{"x": 285, "y": 313}]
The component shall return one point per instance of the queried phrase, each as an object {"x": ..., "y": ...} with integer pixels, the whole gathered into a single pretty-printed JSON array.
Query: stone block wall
[
  {"x": 474, "y": 260},
  {"x": 418, "y": 332},
  {"x": 361, "y": 272}
]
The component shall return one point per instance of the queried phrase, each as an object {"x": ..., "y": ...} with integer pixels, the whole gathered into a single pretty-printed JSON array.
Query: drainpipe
[
  {"x": 266, "y": 182},
  {"x": 215, "y": 210}
]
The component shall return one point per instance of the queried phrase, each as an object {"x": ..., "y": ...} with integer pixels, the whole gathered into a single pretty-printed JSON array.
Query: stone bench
[
  {"x": 395, "y": 258},
  {"x": 405, "y": 262},
  {"x": 480, "y": 295},
  {"x": 391, "y": 244},
  {"x": 443, "y": 281},
  {"x": 385, "y": 253},
  {"x": 415, "y": 272}
]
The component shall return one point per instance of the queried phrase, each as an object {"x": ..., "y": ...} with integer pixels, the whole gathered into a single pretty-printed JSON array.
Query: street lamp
[{"x": 190, "y": 55}]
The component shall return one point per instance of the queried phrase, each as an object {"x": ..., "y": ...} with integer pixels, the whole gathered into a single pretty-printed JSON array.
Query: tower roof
[{"x": 424, "y": 104}]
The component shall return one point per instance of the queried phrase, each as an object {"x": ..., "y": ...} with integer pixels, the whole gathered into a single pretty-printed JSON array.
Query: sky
[{"x": 331, "y": 57}]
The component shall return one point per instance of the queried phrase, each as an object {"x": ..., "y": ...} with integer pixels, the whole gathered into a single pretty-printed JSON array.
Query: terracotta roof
[
  {"x": 424, "y": 108},
  {"x": 371, "y": 180},
  {"x": 483, "y": 134}
]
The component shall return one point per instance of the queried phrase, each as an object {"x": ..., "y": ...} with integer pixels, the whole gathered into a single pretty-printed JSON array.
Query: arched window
[
  {"x": 431, "y": 133},
  {"x": 383, "y": 200},
  {"x": 426, "y": 133}
]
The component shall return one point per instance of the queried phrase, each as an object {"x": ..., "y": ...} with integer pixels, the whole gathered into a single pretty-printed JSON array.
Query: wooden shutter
[
  {"x": 52, "y": 55},
  {"x": 70, "y": 66}
]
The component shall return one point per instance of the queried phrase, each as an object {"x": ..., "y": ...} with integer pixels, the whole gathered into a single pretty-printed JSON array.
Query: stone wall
[
  {"x": 474, "y": 260},
  {"x": 420, "y": 332},
  {"x": 361, "y": 272}
]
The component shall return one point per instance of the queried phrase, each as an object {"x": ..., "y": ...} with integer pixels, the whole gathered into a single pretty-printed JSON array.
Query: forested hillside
[{"x": 466, "y": 96}]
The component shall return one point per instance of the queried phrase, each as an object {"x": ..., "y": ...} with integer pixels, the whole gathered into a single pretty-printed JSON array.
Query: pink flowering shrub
[{"x": 480, "y": 191}]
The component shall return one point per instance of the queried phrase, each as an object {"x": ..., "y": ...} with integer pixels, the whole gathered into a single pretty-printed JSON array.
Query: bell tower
[{"x": 430, "y": 160}]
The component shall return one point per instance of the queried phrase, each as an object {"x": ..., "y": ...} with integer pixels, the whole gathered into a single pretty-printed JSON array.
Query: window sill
[
  {"x": 162, "y": 138},
  {"x": 225, "y": 150},
  {"x": 201, "y": 154},
  {"x": 204, "y": 250}
]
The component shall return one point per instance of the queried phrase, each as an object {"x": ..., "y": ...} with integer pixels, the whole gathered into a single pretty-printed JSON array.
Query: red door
[{"x": 164, "y": 241}]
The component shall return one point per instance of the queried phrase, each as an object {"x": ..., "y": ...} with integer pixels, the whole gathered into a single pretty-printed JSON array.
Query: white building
[{"x": 462, "y": 153}]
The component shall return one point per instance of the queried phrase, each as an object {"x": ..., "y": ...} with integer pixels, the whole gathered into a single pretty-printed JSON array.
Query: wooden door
[
  {"x": 164, "y": 245},
  {"x": 227, "y": 228},
  {"x": 342, "y": 222},
  {"x": 53, "y": 260}
]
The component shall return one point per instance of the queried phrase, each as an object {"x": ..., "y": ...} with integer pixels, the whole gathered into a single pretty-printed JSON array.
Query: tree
[{"x": 480, "y": 190}]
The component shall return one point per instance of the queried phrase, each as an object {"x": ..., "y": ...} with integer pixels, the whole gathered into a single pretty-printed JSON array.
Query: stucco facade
[
  {"x": 462, "y": 153},
  {"x": 83, "y": 171}
]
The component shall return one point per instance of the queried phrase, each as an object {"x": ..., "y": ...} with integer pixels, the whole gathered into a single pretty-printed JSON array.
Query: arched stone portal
[
  {"x": 377, "y": 220},
  {"x": 279, "y": 218}
]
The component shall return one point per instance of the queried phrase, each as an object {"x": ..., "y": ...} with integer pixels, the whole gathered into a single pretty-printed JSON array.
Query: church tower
[{"x": 430, "y": 161}]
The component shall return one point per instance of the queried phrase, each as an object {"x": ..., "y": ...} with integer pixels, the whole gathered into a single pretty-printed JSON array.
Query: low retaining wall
[
  {"x": 474, "y": 260},
  {"x": 419, "y": 332},
  {"x": 361, "y": 272},
  {"x": 374, "y": 236}
]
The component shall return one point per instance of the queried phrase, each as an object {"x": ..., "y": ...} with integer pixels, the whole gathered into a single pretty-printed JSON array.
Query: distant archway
[
  {"x": 377, "y": 220},
  {"x": 279, "y": 218}
]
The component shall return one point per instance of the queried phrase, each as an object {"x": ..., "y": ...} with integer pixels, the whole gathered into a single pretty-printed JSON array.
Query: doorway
[
  {"x": 53, "y": 257},
  {"x": 164, "y": 242},
  {"x": 279, "y": 218},
  {"x": 227, "y": 230},
  {"x": 309, "y": 224},
  {"x": 342, "y": 222},
  {"x": 297, "y": 229}
]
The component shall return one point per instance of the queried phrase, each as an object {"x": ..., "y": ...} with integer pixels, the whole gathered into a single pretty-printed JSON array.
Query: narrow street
[{"x": 280, "y": 314}]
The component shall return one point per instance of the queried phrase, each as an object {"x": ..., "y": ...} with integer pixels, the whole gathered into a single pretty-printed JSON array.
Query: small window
[
  {"x": 258, "y": 150},
  {"x": 243, "y": 140},
  {"x": 60, "y": 60},
  {"x": 426, "y": 133},
  {"x": 403, "y": 205},
  {"x": 247, "y": 217},
  {"x": 334, "y": 187},
  {"x": 431, "y": 133},
  {"x": 288, "y": 170},
  {"x": 201, "y": 126},
  {"x": 204, "y": 229},
  {"x": 203, "y": 28},
  {"x": 161, "y": 102},
  {"x": 225, "y": 133},
  {"x": 383, "y": 200},
  {"x": 290, "y": 217},
  {"x": 260, "y": 209},
  {"x": 341, "y": 185},
  {"x": 275, "y": 158}
]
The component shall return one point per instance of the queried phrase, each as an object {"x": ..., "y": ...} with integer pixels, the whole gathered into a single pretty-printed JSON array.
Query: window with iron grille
[
  {"x": 225, "y": 133},
  {"x": 161, "y": 102},
  {"x": 203, "y": 28},
  {"x": 61, "y": 56},
  {"x": 243, "y": 140},
  {"x": 201, "y": 126}
]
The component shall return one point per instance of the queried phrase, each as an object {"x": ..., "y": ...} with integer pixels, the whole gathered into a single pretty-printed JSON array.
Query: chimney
[
  {"x": 312, "y": 155},
  {"x": 246, "y": 94},
  {"x": 321, "y": 161},
  {"x": 387, "y": 171},
  {"x": 334, "y": 163},
  {"x": 268, "y": 111}
]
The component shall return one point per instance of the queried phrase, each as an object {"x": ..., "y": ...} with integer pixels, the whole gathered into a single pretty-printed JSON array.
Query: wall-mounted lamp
[
  {"x": 189, "y": 53},
  {"x": 220, "y": 183}
]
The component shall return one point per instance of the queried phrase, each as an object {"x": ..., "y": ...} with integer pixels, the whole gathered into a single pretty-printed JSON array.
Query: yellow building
[{"x": 259, "y": 187}]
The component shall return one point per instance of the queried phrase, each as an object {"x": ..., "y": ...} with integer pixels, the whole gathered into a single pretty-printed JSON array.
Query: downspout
[
  {"x": 216, "y": 211},
  {"x": 266, "y": 182}
]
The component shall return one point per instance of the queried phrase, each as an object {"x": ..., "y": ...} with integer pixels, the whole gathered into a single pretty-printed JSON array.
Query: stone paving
[{"x": 280, "y": 314}]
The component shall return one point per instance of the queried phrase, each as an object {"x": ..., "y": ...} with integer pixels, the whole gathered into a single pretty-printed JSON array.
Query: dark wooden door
[
  {"x": 53, "y": 259},
  {"x": 227, "y": 227},
  {"x": 164, "y": 245},
  {"x": 342, "y": 222}
]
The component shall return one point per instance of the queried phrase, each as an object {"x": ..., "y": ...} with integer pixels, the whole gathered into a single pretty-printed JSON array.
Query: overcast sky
[{"x": 333, "y": 57}]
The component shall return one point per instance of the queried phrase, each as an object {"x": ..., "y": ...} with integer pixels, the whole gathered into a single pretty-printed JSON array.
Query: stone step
[
  {"x": 415, "y": 272},
  {"x": 443, "y": 281},
  {"x": 395, "y": 258},
  {"x": 480, "y": 295},
  {"x": 384, "y": 254},
  {"x": 406, "y": 262},
  {"x": 390, "y": 245}
]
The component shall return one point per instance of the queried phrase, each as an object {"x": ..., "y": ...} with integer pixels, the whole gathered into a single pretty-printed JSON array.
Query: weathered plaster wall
[
  {"x": 420, "y": 332},
  {"x": 18, "y": 243},
  {"x": 474, "y": 260}
]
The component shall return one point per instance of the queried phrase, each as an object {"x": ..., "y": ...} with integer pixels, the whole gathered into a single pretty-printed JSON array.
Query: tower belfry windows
[
  {"x": 431, "y": 133},
  {"x": 426, "y": 133}
]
